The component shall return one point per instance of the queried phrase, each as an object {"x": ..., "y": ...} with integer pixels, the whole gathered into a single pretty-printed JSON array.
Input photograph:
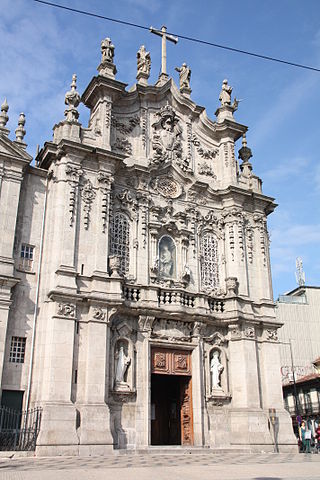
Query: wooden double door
[{"x": 171, "y": 397}]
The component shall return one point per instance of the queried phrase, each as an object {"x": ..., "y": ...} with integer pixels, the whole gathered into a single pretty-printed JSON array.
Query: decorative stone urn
[
  {"x": 232, "y": 286},
  {"x": 114, "y": 265}
]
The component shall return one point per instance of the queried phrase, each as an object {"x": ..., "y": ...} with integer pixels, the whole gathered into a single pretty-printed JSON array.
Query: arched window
[
  {"x": 119, "y": 240},
  {"x": 209, "y": 261}
]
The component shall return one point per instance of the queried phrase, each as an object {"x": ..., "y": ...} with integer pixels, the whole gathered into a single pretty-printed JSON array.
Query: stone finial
[
  {"x": 107, "y": 68},
  {"x": 184, "y": 79},
  {"x": 20, "y": 131},
  {"x": 143, "y": 65},
  {"x": 4, "y": 115},
  {"x": 245, "y": 154},
  {"x": 72, "y": 99}
]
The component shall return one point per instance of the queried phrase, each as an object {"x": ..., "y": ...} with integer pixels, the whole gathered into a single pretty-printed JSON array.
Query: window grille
[
  {"x": 119, "y": 240},
  {"x": 26, "y": 257},
  {"x": 17, "y": 349},
  {"x": 209, "y": 261}
]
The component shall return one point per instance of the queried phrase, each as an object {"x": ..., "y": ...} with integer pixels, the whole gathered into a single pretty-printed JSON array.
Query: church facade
[{"x": 136, "y": 297}]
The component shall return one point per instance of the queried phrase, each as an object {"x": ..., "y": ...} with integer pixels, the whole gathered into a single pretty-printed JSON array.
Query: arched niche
[
  {"x": 167, "y": 256},
  {"x": 122, "y": 365}
]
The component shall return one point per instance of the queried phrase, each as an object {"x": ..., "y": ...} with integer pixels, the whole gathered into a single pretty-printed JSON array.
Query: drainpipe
[{"x": 35, "y": 312}]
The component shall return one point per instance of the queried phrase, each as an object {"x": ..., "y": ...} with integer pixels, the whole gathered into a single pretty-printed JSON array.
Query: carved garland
[
  {"x": 88, "y": 195},
  {"x": 74, "y": 174},
  {"x": 105, "y": 182}
]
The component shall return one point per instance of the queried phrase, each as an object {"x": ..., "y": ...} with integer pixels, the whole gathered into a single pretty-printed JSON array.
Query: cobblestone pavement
[{"x": 175, "y": 466}]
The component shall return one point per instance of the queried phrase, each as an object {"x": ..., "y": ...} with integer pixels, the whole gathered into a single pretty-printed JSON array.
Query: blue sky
[{"x": 42, "y": 47}]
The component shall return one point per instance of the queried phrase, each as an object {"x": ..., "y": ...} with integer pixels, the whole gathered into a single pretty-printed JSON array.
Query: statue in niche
[
  {"x": 216, "y": 369},
  {"x": 225, "y": 94},
  {"x": 184, "y": 76},
  {"x": 166, "y": 257},
  {"x": 122, "y": 362},
  {"x": 143, "y": 61}
]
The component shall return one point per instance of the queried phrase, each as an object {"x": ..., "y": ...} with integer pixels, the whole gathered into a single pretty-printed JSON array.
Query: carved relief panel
[{"x": 170, "y": 362}]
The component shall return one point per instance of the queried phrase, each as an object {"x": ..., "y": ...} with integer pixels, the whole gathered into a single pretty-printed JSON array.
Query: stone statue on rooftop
[
  {"x": 107, "y": 51},
  {"x": 72, "y": 99},
  {"x": 143, "y": 61},
  {"x": 225, "y": 94},
  {"x": 184, "y": 76},
  {"x": 107, "y": 67}
]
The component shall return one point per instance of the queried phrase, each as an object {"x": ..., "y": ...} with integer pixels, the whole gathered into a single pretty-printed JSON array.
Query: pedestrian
[
  {"x": 317, "y": 438},
  {"x": 305, "y": 437}
]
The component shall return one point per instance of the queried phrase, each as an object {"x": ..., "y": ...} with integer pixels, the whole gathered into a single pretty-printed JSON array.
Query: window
[
  {"x": 119, "y": 240},
  {"x": 209, "y": 261},
  {"x": 26, "y": 257},
  {"x": 17, "y": 349}
]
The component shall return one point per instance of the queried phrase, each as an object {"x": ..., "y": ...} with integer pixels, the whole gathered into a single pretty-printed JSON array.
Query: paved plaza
[{"x": 177, "y": 466}]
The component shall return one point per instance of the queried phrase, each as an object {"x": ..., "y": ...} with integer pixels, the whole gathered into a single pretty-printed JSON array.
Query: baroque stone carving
[
  {"x": 123, "y": 145},
  {"x": 205, "y": 169},
  {"x": 67, "y": 310},
  {"x": 107, "y": 67},
  {"x": 72, "y": 99},
  {"x": 74, "y": 173},
  {"x": 105, "y": 181},
  {"x": 99, "y": 314},
  {"x": 232, "y": 286},
  {"x": 272, "y": 334},
  {"x": 249, "y": 332},
  {"x": 167, "y": 187},
  {"x": 122, "y": 362},
  {"x": 115, "y": 265},
  {"x": 145, "y": 323},
  {"x": 216, "y": 338},
  {"x": 205, "y": 154},
  {"x": 166, "y": 142},
  {"x": 88, "y": 194},
  {"x": 234, "y": 331},
  {"x": 143, "y": 65},
  {"x": 172, "y": 330},
  {"x": 125, "y": 128},
  {"x": 184, "y": 78}
]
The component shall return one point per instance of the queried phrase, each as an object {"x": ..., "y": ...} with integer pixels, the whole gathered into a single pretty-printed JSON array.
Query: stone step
[{"x": 180, "y": 450}]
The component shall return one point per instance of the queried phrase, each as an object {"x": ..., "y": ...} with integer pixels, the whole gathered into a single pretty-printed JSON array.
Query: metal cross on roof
[{"x": 165, "y": 36}]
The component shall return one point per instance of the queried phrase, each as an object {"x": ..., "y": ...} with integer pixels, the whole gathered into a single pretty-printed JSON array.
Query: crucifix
[{"x": 165, "y": 36}]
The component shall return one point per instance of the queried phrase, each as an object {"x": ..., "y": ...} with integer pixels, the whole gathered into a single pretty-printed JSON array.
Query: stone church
[{"x": 136, "y": 298}]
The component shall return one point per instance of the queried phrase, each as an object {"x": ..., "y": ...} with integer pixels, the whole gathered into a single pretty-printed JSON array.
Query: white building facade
[{"x": 136, "y": 298}]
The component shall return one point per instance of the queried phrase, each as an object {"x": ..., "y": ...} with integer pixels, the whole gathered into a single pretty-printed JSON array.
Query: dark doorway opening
[{"x": 168, "y": 393}]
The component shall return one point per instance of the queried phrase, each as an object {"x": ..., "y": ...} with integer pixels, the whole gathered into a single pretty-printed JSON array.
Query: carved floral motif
[
  {"x": 67, "y": 310},
  {"x": 99, "y": 314},
  {"x": 272, "y": 334}
]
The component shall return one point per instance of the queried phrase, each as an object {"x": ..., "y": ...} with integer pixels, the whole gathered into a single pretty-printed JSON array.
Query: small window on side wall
[
  {"x": 26, "y": 257},
  {"x": 17, "y": 349}
]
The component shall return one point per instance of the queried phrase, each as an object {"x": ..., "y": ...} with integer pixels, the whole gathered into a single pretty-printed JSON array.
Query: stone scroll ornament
[{"x": 167, "y": 141}]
